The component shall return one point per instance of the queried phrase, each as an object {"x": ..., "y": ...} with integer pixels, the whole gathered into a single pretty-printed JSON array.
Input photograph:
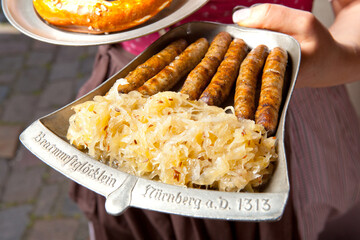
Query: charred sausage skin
[
  {"x": 152, "y": 66},
  {"x": 271, "y": 90},
  {"x": 201, "y": 75},
  {"x": 245, "y": 90},
  {"x": 177, "y": 69},
  {"x": 220, "y": 86}
]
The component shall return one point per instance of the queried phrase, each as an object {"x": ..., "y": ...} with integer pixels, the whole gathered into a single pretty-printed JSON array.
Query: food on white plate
[{"x": 98, "y": 16}]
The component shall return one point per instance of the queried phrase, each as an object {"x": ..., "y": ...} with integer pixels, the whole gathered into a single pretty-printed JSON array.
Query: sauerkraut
[{"x": 168, "y": 138}]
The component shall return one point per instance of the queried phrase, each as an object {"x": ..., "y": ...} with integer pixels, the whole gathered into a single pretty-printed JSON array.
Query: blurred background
[{"x": 37, "y": 78}]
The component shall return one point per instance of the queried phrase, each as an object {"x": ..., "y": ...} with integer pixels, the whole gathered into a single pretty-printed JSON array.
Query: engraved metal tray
[
  {"x": 21, "y": 14},
  {"x": 46, "y": 138}
]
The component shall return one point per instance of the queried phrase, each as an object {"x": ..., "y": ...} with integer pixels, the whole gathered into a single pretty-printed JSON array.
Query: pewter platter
[
  {"x": 21, "y": 14},
  {"x": 46, "y": 139}
]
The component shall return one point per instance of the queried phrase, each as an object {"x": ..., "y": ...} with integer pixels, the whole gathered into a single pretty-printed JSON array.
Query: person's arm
[{"x": 329, "y": 56}]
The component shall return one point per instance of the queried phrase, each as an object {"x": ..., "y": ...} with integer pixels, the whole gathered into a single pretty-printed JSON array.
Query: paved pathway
[{"x": 35, "y": 79}]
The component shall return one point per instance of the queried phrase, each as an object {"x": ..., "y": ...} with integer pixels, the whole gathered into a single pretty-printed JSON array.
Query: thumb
[{"x": 272, "y": 17}]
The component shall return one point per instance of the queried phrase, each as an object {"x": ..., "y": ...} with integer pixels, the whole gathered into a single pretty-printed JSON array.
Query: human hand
[{"x": 324, "y": 60}]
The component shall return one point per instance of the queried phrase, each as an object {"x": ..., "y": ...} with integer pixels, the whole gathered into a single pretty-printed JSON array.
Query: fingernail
[
  {"x": 238, "y": 7},
  {"x": 256, "y": 4},
  {"x": 241, "y": 15}
]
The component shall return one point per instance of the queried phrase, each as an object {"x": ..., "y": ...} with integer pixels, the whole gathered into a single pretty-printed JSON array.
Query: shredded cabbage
[{"x": 169, "y": 138}]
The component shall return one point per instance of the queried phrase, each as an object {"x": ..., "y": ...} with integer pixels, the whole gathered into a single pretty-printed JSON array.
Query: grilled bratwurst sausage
[
  {"x": 271, "y": 90},
  {"x": 200, "y": 76},
  {"x": 219, "y": 88},
  {"x": 177, "y": 69},
  {"x": 152, "y": 66},
  {"x": 250, "y": 69}
]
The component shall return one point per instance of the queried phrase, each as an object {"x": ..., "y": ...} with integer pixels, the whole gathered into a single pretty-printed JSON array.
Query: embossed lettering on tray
[
  {"x": 179, "y": 198},
  {"x": 73, "y": 163}
]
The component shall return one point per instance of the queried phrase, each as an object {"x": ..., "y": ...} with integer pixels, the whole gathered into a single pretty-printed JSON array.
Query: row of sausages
[{"x": 212, "y": 69}]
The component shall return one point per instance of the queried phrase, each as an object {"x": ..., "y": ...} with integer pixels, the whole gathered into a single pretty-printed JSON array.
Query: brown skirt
[{"x": 323, "y": 149}]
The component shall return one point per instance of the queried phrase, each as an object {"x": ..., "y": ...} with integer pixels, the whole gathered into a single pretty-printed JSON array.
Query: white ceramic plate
[{"x": 21, "y": 14}]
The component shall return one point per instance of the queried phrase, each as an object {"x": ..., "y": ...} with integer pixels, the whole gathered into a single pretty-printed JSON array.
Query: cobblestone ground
[{"x": 35, "y": 79}]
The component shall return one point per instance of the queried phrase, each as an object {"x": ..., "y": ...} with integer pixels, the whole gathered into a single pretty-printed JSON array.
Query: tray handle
[{"x": 119, "y": 200}]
